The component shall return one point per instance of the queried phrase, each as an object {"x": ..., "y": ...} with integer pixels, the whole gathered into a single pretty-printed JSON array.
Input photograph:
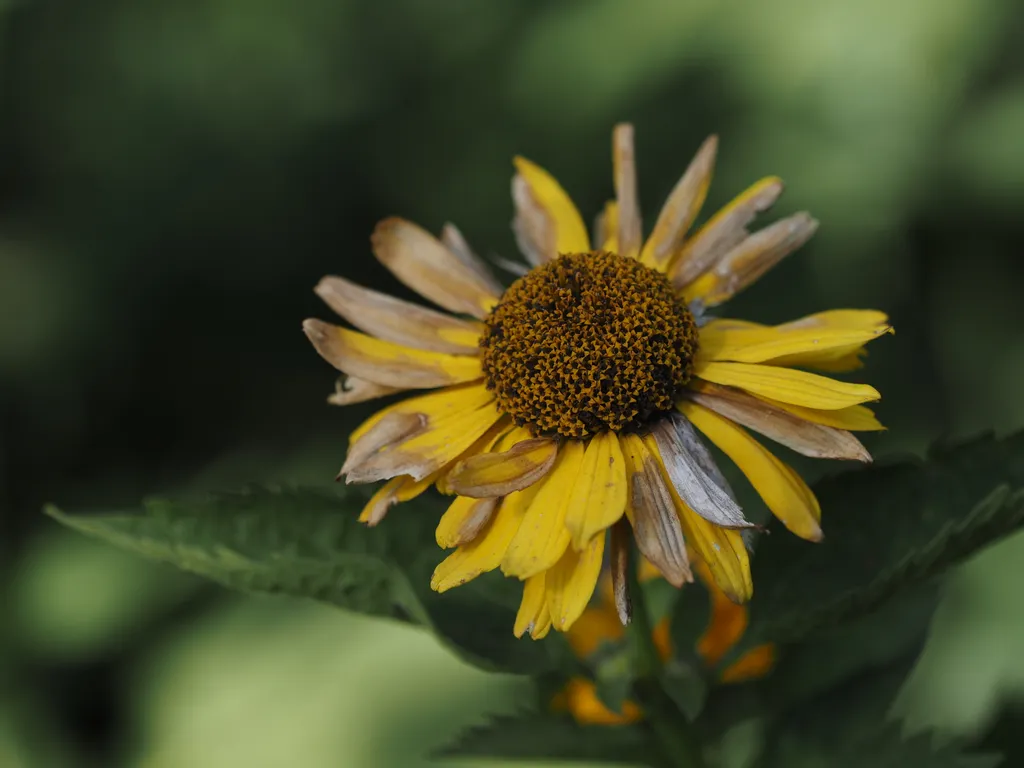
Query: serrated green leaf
[
  {"x": 537, "y": 736},
  {"x": 308, "y": 543},
  {"x": 887, "y": 527}
]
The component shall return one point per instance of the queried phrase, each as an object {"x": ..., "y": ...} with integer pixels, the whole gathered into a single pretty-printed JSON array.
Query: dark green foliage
[
  {"x": 849, "y": 615},
  {"x": 547, "y": 736},
  {"x": 887, "y": 526},
  {"x": 308, "y": 543}
]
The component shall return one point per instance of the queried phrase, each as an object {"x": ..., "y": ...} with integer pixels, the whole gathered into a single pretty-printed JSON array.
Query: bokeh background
[{"x": 176, "y": 175}]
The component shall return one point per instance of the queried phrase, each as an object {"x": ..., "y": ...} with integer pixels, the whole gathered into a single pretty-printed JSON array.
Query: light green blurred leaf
[
  {"x": 887, "y": 527},
  {"x": 308, "y": 543}
]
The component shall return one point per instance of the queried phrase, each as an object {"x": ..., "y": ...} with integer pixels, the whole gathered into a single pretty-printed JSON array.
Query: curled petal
[
  {"x": 453, "y": 240},
  {"x": 499, "y": 474},
  {"x": 463, "y": 520}
]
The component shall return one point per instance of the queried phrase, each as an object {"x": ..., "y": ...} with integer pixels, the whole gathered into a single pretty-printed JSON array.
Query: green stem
[{"x": 676, "y": 737}]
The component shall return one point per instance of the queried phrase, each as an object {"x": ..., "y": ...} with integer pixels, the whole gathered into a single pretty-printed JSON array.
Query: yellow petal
[
  {"x": 681, "y": 208},
  {"x": 745, "y": 263},
  {"x": 652, "y": 513},
  {"x": 390, "y": 364},
  {"x": 399, "y": 321},
  {"x": 783, "y": 491},
  {"x": 570, "y": 232},
  {"x": 570, "y": 583},
  {"x": 723, "y": 232},
  {"x": 598, "y": 498},
  {"x": 543, "y": 537},
  {"x": 624, "y": 163},
  {"x": 799, "y": 343},
  {"x": 463, "y": 520},
  {"x": 532, "y": 607},
  {"x": 721, "y": 549},
  {"x": 425, "y": 265},
  {"x": 606, "y": 234},
  {"x": 754, "y": 664},
  {"x": 596, "y": 626},
  {"x": 499, "y": 474},
  {"x": 482, "y": 554},
  {"x": 430, "y": 408},
  {"x": 581, "y": 700},
  {"x": 856, "y": 418},
  {"x": 726, "y": 624},
  {"x": 787, "y": 385}
]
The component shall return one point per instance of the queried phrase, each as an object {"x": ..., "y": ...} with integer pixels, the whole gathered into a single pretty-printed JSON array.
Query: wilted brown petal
[
  {"x": 814, "y": 440},
  {"x": 656, "y": 527},
  {"x": 625, "y": 190},
  {"x": 532, "y": 226},
  {"x": 682, "y": 206}
]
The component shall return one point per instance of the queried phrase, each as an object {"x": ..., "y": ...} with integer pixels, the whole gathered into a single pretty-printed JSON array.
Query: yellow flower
[
  {"x": 574, "y": 397},
  {"x": 600, "y": 624}
]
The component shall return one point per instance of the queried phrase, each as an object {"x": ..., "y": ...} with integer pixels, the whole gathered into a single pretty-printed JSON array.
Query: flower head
[{"x": 577, "y": 396}]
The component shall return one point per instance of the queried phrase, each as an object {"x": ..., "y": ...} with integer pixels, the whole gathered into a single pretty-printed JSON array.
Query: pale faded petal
[
  {"x": 453, "y": 240},
  {"x": 533, "y": 228},
  {"x": 687, "y": 461},
  {"x": 650, "y": 509},
  {"x": 425, "y": 265},
  {"x": 681, "y": 208},
  {"x": 725, "y": 230},
  {"x": 624, "y": 162},
  {"x": 383, "y": 362},
  {"x": 805, "y": 437},
  {"x": 745, "y": 263},
  {"x": 399, "y": 321}
]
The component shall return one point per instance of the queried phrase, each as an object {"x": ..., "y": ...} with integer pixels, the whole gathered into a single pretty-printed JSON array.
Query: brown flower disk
[{"x": 587, "y": 343}]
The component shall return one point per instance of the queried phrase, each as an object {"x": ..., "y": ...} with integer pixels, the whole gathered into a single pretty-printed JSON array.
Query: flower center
[{"x": 587, "y": 343}]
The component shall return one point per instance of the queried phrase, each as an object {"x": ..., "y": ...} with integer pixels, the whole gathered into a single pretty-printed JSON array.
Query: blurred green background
[{"x": 176, "y": 175}]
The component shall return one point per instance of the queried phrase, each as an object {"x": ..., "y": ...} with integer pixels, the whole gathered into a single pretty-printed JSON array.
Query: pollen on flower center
[{"x": 587, "y": 343}]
